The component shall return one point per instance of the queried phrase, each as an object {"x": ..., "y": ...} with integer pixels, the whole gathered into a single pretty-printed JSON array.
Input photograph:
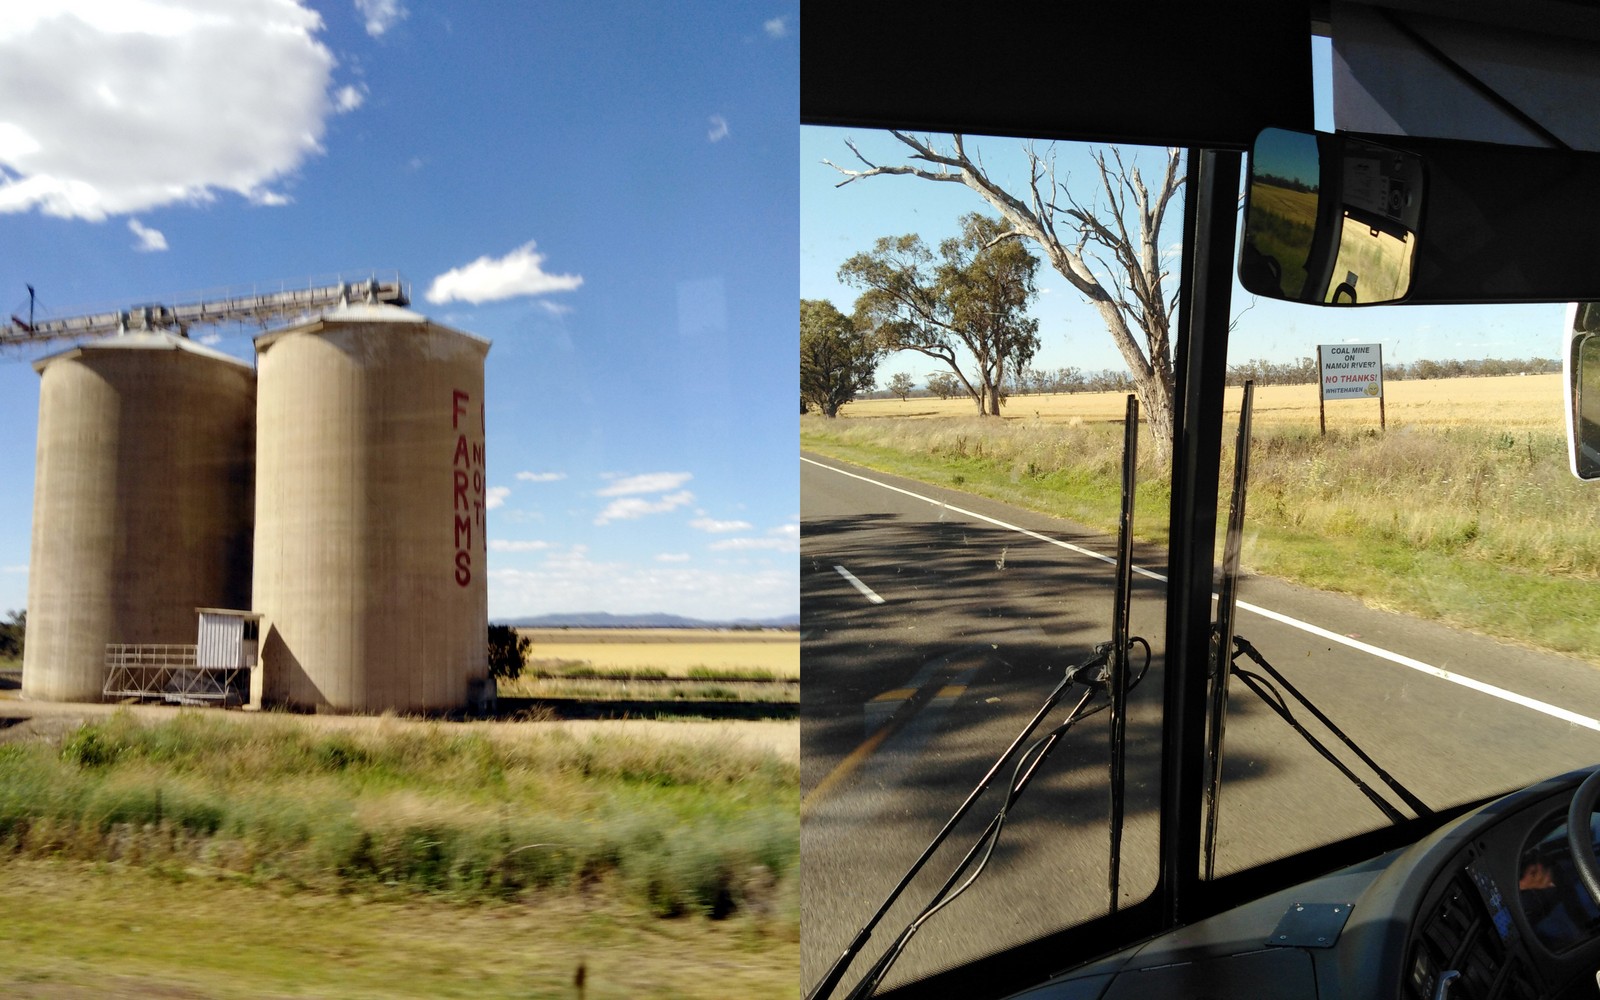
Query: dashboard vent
[{"x": 1456, "y": 934}]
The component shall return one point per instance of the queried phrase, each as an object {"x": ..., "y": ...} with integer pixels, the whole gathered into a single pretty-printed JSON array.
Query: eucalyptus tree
[
  {"x": 836, "y": 359},
  {"x": 1107, "y": 245},
  {"x": 966, "y": 306}
]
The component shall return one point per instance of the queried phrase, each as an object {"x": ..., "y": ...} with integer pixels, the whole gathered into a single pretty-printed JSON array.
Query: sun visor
[
  {"x": 1520, "y": 74},
  {"x": 1211, "y": 74}
]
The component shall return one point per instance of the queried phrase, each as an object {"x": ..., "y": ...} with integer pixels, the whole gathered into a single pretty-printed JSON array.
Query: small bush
[
  {"x": 91, "y": 747},
  {"x": 508, "y": 652}
]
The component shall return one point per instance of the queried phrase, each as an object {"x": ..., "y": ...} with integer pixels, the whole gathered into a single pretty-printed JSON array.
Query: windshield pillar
[{"x": 1210, "y": 222}]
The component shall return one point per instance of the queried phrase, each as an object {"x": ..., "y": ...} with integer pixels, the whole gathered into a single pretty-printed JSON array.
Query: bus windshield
[{"x": 1414, "y": 605}]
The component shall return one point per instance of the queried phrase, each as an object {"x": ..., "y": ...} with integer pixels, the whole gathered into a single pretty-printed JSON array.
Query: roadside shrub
[
  {"x": 508, "y": 652},
  {"x": 92, "y": 747}
]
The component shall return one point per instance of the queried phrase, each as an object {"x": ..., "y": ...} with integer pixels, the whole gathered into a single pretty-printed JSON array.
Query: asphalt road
[{"x": 950, "y": 618}]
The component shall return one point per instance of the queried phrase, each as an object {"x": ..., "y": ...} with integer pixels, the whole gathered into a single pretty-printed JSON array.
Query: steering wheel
[{"x": 1580, "y": 836}]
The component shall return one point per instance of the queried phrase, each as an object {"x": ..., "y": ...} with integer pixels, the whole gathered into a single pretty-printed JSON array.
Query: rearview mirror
[
  {"x": 1581, "y": 366},
  {"x": 1329, "y": 219}
]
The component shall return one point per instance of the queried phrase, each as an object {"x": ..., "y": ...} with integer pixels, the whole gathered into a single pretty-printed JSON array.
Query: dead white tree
[{"x": 1109, "y": 249}]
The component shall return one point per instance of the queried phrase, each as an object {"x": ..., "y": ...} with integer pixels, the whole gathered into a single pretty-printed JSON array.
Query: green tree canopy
[
  {"x": 13, "y": 633},
  {"x": 836, "y": 359},
  {"x": 508, "y": 652},
  {"x": 966, "y": 307}
]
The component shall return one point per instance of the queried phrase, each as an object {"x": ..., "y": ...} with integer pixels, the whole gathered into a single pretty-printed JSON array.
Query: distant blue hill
[{"x": 602, "y": 619}]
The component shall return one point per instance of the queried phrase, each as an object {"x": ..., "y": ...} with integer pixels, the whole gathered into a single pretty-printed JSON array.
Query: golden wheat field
[
  {"x": 1508, "y": 402},
  {"x": 675, "y": 651}
]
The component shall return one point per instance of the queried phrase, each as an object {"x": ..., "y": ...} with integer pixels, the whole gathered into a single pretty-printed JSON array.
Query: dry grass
[
  {"x": 670, "y": 651},
  {"x": 37, "y": 720}
]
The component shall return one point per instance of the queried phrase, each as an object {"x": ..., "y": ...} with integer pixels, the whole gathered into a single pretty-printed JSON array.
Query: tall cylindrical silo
[
  {"x": 142, "y": 505},
  {"x": 370, "y": 503}
]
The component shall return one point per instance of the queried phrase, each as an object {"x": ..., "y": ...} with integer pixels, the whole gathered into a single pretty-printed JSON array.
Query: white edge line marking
[
  {"x": 866, "y": 591},
  {"x": 1554, "y": 711}
]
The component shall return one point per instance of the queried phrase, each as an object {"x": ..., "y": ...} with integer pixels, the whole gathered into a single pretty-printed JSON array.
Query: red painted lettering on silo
[{"x": 467, "y": 472}]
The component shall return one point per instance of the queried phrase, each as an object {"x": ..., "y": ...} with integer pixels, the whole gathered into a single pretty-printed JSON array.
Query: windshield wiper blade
[
  {"x": 1227, "y": 607},
  {"x": 1117, "y": 679}
]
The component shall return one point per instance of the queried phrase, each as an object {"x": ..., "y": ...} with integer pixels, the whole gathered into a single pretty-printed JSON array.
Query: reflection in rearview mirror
[
  {"x": 1581, "y": 361},
  {"x": 1329, "y": 219}
]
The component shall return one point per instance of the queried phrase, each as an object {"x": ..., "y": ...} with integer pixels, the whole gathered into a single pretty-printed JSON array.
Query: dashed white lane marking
[
  {"x": 1554, "y": 711},
  {"x": 866, "y": 591}
]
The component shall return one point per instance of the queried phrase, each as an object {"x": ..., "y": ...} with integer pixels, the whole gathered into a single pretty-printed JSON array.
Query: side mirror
[
  {"x": 1329, "y": 219},
  {"x": 1581, "y": 367}
]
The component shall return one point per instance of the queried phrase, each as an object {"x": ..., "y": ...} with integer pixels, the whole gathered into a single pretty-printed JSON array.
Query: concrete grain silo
[
  {"x": 142, "y": 504},
  {"x": 370, "y": 500}
]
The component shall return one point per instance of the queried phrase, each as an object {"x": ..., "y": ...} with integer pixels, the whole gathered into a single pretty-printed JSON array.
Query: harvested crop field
[
  {"x": 674, "y": 652},
  {"x": 1506, "y": 402}
]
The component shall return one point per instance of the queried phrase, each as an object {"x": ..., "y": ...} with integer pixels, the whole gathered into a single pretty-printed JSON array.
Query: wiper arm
[
  {"x": 842, "y": 963},
  {"x": 1040, "y": 749},
  {"x": 1261, "y": 686},
  {"x": 1027, "y": 765},
  {"x": 1107, "y": 668}
]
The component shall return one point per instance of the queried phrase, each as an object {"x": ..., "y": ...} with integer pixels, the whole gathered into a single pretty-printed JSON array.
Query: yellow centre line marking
[{"x": 912, "y": 699}]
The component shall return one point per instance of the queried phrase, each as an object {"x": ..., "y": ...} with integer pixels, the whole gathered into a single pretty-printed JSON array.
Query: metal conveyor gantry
[{"x": 261, "y": 308}]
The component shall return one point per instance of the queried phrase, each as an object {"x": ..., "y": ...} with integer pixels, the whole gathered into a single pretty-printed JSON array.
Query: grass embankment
[
  {"x": 75, "y": 931},
  {"x": 669, "y": 827},
  {"x": 1463, "y": 513}
]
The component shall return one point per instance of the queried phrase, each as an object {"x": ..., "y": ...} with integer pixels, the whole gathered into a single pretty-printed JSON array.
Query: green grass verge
[
  {"x": 1479, "y": 528},
  {"x": 82, "y": 930},
  {"x": 678, "y": 827}
]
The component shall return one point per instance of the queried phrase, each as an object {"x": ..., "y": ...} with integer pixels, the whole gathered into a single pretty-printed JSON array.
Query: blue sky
[
  {"x": 605, "y": 191},
  {"x": 836, "y": 222}
]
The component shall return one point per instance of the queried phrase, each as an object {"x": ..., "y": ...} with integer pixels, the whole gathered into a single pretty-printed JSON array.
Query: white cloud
[
  {"x": 673, "y": 557},
  {"x": 784, "y": 538},
  {"x": 719, "y": 129},
  {"x": 349, "y": 98},
  {"x": 496, "y": 496},
  {"x": 519, "y": 272},
  {"x": 503, "y": 545},
  {"x": 149, "y": 239},
  {"x": 118, "y": 108},
  {"x": 775, "y": 28},
  {"x": 210, "y": 339},
  {"x": 632, "y": 507},
  {"x": 554, "y": 308},
  {"x": 719, "y": 527},
  {"x": 649, "y": 482},
  {"x": 541, "y": 477},
  {"x": 381, "y": 15},
  {"x": 21, "y": 568},
  {"x": 753, "y": 544}
]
